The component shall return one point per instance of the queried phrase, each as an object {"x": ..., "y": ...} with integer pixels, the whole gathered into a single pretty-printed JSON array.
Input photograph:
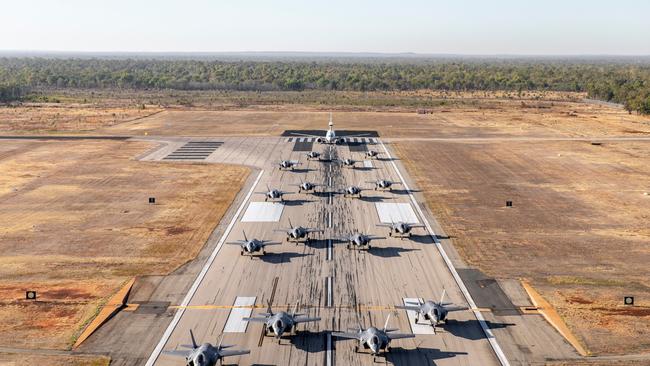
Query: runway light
[
  {"x": 30, "y": 295},
  {"x": 508, "y": 203},
  {"x": 152, "y": 200},
  {"x": 628, "y": 300}
]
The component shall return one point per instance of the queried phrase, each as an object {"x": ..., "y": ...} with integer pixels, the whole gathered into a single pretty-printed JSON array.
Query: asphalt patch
[
  {"x": 487, "y": 293},
  {"x": 151, "y": 307},
  {"x": 303, "y": 146},
  {"x": 357, "y": 144}
]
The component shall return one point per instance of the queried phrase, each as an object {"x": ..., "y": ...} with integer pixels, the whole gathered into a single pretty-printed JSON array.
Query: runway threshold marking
[
  {"x": 241, "y": 309},
  {"x": 199, "y": 278},
  {"x": 417, "y": 327},
  {"x": 450, "y": 266}
]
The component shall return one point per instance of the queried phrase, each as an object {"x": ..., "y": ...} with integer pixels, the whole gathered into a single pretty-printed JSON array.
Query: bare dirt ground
[
  {"x": 494, "y": 118},
  {"x": 50, "y": 117},
  {"x": 578, "y": 228},
  {"x": 75, "y": 224}
]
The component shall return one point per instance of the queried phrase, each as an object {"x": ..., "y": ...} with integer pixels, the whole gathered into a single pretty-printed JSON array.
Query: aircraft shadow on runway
[
  {"x": 373, "y": 198},
  {"x": 296, "y": 202},
  {"x": 388, "y": 252},
  {"x": 470, "y": 329},
  {"x": 284, "y": 257},
  {"x": 422, "y": 239},
  {"x": 306, "y": 340},
  {"x": 404, "y": 191},
  {"x": 302, "y": 170},
  {"x": 419, "y": 356}
]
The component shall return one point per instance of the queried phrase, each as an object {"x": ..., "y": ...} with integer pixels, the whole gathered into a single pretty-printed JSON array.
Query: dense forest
[{"x": 626, "y": 83}]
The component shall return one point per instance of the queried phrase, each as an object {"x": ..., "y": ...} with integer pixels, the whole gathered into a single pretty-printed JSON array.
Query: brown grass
[
  {"x": 13, "y": 359},
  {"x": 48, "y": 118},
  {"x": 578, "y": 227},
  {"x": 76, "y": 223},
  {"x": 494, "y": 118}
]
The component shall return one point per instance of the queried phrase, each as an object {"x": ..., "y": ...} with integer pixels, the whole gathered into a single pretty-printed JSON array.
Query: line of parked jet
[{"x": 278, "y": 323}]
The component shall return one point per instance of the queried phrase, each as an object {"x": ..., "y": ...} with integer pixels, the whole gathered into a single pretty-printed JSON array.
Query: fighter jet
[
  {"x": 313, "y": 155},
  {"x": 372, "y": 154},
  {"x": 330, "y": 135},
  {"x": 306, "y": 186},
  {"x": 435, "y": 312},
  {"x": 359, "y": 240},
  {"x": 281, "y": 322},
  {"x": 384, "y": 184},
  {"x": 295, "y": 233},
  {"x": 288, "y": 164},
  {"x": 347, "y": 162},
  {"x": 400, "y": 229},
  {"x": 205, "y": 354},
  {"x": 253, "y": 245},
  {"x": 273, "y": 194},
  {"x": 352, "y": 191},
  {"x": 372, "y": 338}
]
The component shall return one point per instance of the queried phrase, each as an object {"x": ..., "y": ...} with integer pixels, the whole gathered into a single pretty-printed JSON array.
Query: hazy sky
[{"x": 462, "y": 26}]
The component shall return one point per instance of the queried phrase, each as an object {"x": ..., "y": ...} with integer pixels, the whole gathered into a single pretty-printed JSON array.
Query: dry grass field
[
  {"x": 48, "y": 118},
  {"x": 578, "y": 228},
  {"x": 494, "y": 118},
  {"x": 75, "y": 224},
  {"x": 52, "y": 360}
]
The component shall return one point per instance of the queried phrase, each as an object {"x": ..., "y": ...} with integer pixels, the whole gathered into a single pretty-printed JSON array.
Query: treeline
[
  {"x": 616, "y": 82},
  {"x": 11, "y": 92}
]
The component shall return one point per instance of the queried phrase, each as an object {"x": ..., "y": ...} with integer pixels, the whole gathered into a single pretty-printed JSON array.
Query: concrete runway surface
[
  {"x": 344, "y": 287},
  {"x": 362, "y": 286}
]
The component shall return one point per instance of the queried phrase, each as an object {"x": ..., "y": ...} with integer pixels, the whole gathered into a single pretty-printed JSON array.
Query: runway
[{"x": 344, "y": 287}]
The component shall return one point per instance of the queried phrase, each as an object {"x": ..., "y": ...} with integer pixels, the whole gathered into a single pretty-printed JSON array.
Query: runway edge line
[
  {"x": 179, "y": 314},
  {"x": 486, "y": 329}
]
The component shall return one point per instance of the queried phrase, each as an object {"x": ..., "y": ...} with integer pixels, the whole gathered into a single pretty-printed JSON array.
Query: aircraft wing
[
  {"x": 255, "y": 320},
  {"x": 347, "y": 335},
  {"x": 455, "y": 308},
  {"x": 176, "y": 353},
  {"x": 313, "y": 230},
  {"x": 234, "y": 352},
  {"x": 264, "y": 242},
  {"x": 408, "y": 307},
  {"x": 392, "y": 336},
  {"x": 416, "y": 225},
  {"x": 304, "y": 319},
  {"x": 357, "y": 135},
  {"x": 372, "y": 237},
  {"x": 235, "y": 242},
  {"x": 305, "y": 135}
]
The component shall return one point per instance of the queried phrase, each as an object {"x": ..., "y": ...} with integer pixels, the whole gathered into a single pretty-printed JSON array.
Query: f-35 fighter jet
[
  {"x": 252, "y": 246},
  {"x": 205, "y": 354},
  {"x": 376, "y": 340},
  {"x": 281, "y": 322},
  {"x": 435, "y": 312}
]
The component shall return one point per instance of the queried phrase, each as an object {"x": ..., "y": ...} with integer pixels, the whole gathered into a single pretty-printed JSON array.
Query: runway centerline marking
[
  {"x": 329, "y": 220},
  {"x": 186, "y": 300},
  {"x": 328, "y": 354},
  {"x": 330, "y": 294},
  {"x": 486, "y": 329},
  {"x": 329, "y": 250}
]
